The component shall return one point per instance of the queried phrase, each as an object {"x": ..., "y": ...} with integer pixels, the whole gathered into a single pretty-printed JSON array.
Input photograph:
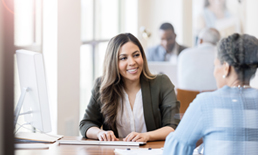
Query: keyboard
[{"x": 111, "y": 143}]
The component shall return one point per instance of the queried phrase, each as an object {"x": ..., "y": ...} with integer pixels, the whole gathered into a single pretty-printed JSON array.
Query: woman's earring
[{"x": 224, "y": 76}]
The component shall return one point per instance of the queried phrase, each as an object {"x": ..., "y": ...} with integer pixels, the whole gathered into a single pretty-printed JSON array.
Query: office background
[{"x": 72, "y": 35}]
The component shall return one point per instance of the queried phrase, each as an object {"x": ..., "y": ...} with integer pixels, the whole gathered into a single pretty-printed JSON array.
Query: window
[{"x": 27, "y": 22}]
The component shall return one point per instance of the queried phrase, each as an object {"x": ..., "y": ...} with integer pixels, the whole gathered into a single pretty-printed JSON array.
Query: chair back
[{"x": 185, "y": 97}]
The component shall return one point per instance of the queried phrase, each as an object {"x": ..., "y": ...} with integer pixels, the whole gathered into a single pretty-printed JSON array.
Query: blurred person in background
[
  {"x": 168, "y": 49},
  {"x": 216, "y": 15},
  {"x": 195, "y": 65}
]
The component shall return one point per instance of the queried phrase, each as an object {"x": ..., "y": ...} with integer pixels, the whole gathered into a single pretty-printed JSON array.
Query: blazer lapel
[{"x": 147, "y": 104}]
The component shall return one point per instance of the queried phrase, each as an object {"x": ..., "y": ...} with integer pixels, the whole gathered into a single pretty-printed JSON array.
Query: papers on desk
[
  {"x": 36, "y": 137},
  {"x": 138, "y": 151},
  {"x": 31, "y": 146},
  {"x": 91, "y": 142}
]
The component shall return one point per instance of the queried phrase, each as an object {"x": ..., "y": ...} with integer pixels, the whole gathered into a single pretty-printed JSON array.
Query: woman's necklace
[{"x": 243, "y": 86}]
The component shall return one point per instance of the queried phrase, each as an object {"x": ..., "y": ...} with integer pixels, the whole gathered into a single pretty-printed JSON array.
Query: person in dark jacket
[{"x": 128, "y": 101}]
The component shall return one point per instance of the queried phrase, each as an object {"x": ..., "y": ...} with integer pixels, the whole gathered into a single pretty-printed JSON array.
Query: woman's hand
[
  {"x": 137, "y": 137},
  {"x": 106, "y": 136}
]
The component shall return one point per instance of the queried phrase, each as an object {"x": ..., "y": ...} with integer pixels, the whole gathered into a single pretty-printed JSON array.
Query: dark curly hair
[{"x": 240, "y": 52}]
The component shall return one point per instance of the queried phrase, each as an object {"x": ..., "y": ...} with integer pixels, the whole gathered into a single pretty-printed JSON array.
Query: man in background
[
  {"x": 195, "y": 65},
  {"x": 169, "y": 49}
]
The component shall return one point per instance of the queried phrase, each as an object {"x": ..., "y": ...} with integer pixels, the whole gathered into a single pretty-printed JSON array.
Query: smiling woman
[{"x": 128, "y": 101}]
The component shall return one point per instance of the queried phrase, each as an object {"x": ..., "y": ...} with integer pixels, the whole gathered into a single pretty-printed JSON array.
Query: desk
[{"x": 56, "y": 149}]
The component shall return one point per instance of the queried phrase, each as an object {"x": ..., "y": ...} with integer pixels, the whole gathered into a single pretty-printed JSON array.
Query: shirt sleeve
[
  {"x": 189, "y": 131},
  {"x": 92, "y": 116}
]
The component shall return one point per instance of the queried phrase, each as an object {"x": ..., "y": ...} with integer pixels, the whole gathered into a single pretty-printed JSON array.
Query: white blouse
[{"x": 129, "y": 120}]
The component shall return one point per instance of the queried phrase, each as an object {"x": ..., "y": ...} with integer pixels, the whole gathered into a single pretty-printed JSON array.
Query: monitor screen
[{"x": 32, "y": 79}]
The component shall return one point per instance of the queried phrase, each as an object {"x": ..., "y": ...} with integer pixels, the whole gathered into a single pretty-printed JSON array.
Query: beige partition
[{"x": 68, "y": 66}]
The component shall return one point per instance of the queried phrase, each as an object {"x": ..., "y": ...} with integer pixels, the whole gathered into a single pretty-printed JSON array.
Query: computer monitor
[
  {"x": 34, "y": 95},
  {"x": 167, "y": 68}
]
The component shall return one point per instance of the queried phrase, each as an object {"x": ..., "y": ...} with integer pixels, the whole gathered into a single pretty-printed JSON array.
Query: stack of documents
[{"x": 31, "y": 146}]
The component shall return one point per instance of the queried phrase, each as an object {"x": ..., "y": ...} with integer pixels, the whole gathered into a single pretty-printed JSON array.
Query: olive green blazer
[{"x": 160, "y": 106}]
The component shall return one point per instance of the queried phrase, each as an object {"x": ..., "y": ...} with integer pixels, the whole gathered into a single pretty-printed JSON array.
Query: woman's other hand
[{"x": 137, "y": 137}]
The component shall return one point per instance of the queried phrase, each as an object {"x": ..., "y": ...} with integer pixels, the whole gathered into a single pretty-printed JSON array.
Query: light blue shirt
[{"x": 226, "y": 119}]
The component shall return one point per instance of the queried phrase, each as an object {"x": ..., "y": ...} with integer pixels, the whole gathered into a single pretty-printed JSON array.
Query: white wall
[{"x": 187, "y": 23}]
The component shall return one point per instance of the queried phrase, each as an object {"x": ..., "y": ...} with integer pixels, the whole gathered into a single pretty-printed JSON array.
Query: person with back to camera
[
  {"x": 195, "y": 65},
  {"x": 226, "y": 119},
  {"x": 169, "y": 49},
  {"x": 128, "y": 101}
]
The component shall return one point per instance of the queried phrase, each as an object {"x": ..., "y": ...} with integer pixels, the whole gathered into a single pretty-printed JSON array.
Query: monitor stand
[
  {"x": 19, "y": 105},
  {"x": 30, "y": 136}
]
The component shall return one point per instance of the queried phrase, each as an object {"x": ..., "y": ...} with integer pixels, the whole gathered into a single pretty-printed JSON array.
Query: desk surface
[{"x": 56, "y": 149}]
